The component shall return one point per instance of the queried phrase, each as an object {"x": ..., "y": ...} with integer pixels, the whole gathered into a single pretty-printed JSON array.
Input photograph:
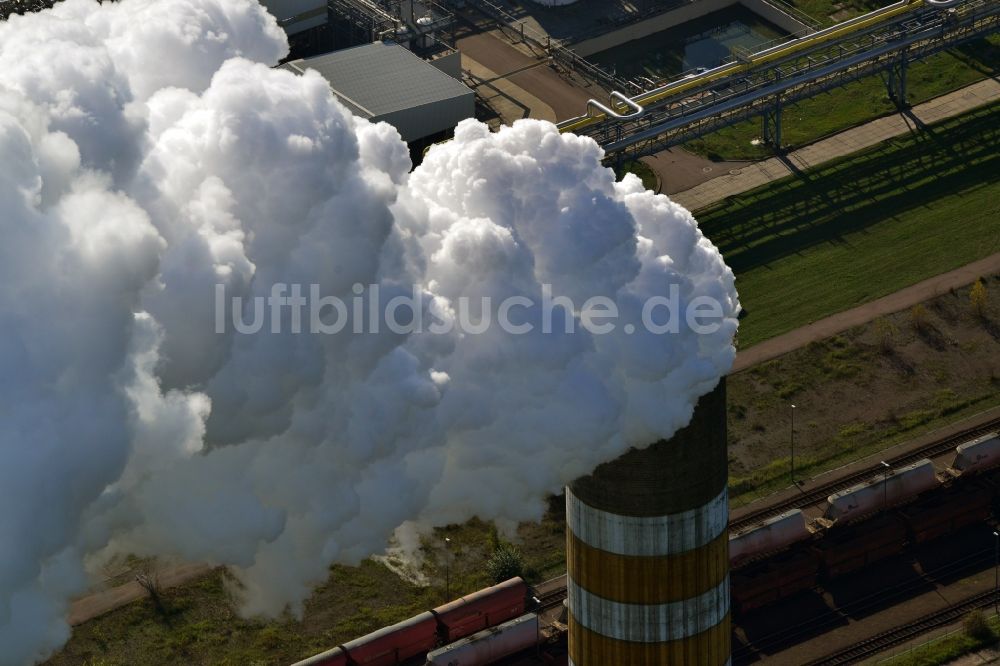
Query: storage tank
[
  {"x": 489, "y": 645},
  {"x": 426, "y": 32},
  {"x": 895, "y": 487},
  {"x": 773, "y": 534},
  {"x": 647, "y": 551},
  {"x": 977, "y": 455}
]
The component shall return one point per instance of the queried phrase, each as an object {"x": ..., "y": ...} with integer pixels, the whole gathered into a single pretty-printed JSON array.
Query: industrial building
[
  {"x": 315, "y": 27},
  {"x": 424, "y": 100},
  {"x": 297, "y": 16},
  {"x": 647, "y": 551}
]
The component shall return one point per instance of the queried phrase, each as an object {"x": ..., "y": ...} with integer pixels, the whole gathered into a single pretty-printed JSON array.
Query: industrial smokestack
[
  {"x": 647, "y": 551},
  {"x": 166, "y": 391}
]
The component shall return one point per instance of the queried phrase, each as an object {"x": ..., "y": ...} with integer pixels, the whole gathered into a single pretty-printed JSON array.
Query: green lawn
[
  {"x": 855, "y": 103},
  {"x": 862, "y": 226}
]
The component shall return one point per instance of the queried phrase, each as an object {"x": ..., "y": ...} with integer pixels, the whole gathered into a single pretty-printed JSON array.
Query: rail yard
[{"x": 783, "y": 552}]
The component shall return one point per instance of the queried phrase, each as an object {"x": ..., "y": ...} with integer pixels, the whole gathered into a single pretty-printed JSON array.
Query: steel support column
[
  {"x": 896, "y": 80},
  {"x": 771, "y": 131}
]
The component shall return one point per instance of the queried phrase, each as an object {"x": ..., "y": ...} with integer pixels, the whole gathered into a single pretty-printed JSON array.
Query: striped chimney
[{"x": 647, "y": 551}]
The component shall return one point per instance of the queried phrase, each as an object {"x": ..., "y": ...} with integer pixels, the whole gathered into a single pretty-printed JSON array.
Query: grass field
[
  {"x": 863, "y": 226},
  {"x": 855, "y": 103}
]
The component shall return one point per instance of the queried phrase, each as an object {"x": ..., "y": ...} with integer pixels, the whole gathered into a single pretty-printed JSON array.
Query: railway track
[
  {"x": 812, "y": 627},
  {"x": 551, "y": 599},
  {"x": 819, "y": 494},
  {"x": 903, "y": 633}
]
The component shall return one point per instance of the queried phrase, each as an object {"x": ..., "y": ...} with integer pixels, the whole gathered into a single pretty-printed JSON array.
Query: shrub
[
  {"x": 975, "y": 626},
  {"x": 505, "y": 563},
  {"x": 885, "y": 334},
  {"x": 978, "y": 299},
  {"x": 918, "y": 317}
]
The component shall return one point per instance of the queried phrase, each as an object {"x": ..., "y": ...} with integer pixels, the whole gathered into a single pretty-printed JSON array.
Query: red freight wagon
[
  {"x": 856, "y": 546},
  {"x": 482, "y": 609},
  {"x": 775, "y": 578},
  {"x": 334, "y": 657},
  {"x": 947, "y": 512},
  {"x": 394, "y": 645}
]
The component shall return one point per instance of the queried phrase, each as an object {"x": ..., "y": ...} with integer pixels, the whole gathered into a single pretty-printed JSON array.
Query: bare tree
[{"x": 149, "y": 579}]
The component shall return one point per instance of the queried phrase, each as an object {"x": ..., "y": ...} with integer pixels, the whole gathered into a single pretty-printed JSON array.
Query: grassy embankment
[
  {"x": 950, "y": 647},
  {"x": 862, "y": 391}
]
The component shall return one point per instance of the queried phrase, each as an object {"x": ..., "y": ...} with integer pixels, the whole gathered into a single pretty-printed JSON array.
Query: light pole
[
  {"x": 447, "y": 569},
  {"x": 996, "y": 572},
  {"x": 792, "y": 442},
  {"x": 885, "y": 484}
]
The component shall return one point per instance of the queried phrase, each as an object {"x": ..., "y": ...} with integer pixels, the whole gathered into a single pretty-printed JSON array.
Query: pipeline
[{"x": 639, "y": 102}]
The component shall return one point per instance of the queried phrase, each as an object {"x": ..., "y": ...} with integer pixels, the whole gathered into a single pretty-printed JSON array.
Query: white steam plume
[{"x": 149, "y": 154}]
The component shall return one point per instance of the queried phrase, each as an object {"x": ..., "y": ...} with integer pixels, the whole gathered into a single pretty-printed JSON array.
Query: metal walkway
[{"x": 759, "y": 85}]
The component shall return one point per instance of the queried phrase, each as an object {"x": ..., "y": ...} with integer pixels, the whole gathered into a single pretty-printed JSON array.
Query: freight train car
[
  {"x": 394, "y": 645},
  {"x": 844, "y": 549},
  {"x": 977, "y": 456},
  {"x": 772, "y": 536},
  {"x": 947, "y": 511},
  {"x": 334, "y": 657},
  {"x": 487, "y": 646},
  {"x": 419, "y": 635},
  {"x": 482, "y": 609},
  {"x": 779, "y": 577},
  {"x": 897, "y": 487}
]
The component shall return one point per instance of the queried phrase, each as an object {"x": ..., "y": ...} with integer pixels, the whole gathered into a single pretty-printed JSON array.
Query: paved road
[{"x": 844, "y": 143}]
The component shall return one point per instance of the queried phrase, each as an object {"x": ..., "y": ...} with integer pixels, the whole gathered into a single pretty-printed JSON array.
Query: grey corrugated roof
[{"x": 375, "y": 79}]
